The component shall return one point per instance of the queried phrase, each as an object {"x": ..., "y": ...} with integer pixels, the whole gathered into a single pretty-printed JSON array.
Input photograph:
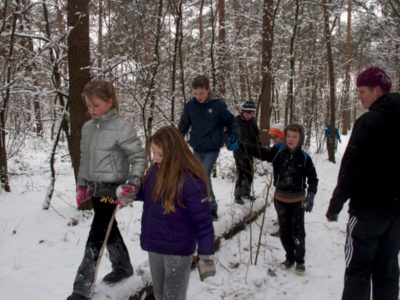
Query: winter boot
[
  {"x": 286, "y": 264},
  {"x": 276, "y": 233},
  {"x": 75, "y": 296},
  {"x": 239, "y": 200},
  {"x": 249, "y": 198},
  {"x": 300, "y": 269},
  {"x": 115, "y": 277}
]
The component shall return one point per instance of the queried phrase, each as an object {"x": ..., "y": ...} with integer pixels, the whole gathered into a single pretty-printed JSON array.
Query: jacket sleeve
[
  {"x": 185, "y": 121},
  {"x": 350, "y": 166},
  {"x": 260, "y": 152},
  {"x": 196, "y": 202},
  {"x": 311, "y": 174},
  {"x": 228, "y": 120},
  {"x": 131, "y": 144}
]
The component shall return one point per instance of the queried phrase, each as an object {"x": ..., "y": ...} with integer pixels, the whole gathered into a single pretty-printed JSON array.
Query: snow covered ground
[{"x": 41, "y": 250}]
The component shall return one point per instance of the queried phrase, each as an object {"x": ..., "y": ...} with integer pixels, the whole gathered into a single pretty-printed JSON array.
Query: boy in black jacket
[
  {"x": 248, "y": 134},
  {"x": 292, "y": 166}
]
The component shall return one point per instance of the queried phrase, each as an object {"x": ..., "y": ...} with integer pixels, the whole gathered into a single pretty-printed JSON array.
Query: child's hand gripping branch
[{"x": 126, "y": 193}]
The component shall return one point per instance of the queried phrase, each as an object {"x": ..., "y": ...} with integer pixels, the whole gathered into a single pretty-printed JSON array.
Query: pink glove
[
  {"x": 126, "y": 193},
  {"x": 82, "y": 195}
]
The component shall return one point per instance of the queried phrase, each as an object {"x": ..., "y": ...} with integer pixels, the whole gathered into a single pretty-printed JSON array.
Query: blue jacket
[
  {"x": 207, "y": 121},
  {"x": 177, "y": 233}
]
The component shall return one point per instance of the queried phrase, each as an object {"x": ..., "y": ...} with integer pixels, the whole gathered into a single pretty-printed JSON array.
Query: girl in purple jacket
[{"x": 176, "y": 215}]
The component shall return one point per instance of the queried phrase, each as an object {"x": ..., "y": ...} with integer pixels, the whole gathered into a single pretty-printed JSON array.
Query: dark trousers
[
  {"x": 244, "y": 176},
  {"x": 371, "y": 252},
  {"x": 118, "y": 253},
  {"x": 292, "y": 232}
]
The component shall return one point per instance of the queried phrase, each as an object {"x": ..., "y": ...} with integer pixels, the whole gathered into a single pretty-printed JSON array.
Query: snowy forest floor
[{"x": 41, "y": 250}]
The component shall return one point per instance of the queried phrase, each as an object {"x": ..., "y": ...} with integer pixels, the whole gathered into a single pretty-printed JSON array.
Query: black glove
[
  {"x": 308, "y": 202},
  {"x": 332, "y": 217}
]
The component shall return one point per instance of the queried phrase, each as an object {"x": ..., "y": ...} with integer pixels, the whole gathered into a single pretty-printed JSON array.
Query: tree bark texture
[
  {"x": 266, "y": 70},
  {"x": 332, "y": 101},
  {"x": 79, "y": 75}
]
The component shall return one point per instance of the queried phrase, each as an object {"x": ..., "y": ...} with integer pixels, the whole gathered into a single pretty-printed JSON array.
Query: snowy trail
[{"x": 40, "y": 253}]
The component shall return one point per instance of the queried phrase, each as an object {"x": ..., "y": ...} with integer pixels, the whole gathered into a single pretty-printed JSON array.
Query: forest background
[{"x": 297, "y": 59}]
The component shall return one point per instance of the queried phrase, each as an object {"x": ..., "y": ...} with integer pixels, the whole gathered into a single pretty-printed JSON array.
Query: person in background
[
  {"x": 293, "y": 196},
  {"x": 176, "y": 216},
  {"x": 111, "y": 156},
  {"x": 328, "y": 135},
  {"x": 210, "y": 123},
  {"x": 369, "y": 177},
  {"x": 248, "y": 134}
]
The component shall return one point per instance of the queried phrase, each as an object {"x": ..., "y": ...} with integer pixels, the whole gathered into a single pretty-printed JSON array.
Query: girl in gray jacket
[{"x": 111, "y": 156}]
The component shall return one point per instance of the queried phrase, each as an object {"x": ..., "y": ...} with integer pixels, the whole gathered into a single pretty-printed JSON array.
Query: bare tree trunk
[
  {"x": 266, "y": 70},
  {"x": 3, "y": 147},
  {"x": 79, "y": 76},
  {"x": 50, "y": 189},
  {"x": 56, "y": 77},
  {"x": 242, "y": 69},
  {"x": 201, "y": 31},
  {"x": 178, "y": 19},
  {"x": 181, "y": 60},
  {"x": 150, "y": 93},
  {"x": 289, "y": 109},
  {"x": 332, "y": 102},
  {"x": 100, "y": 35},
  {"x": 213, "y": 67},
  {"x": 346, "y": 106},
  {"x": 60, "y": 19},
  {"x": 221, "y": 47}
]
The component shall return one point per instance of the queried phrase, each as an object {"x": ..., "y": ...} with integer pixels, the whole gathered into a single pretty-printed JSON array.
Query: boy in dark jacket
[
  {"x": 248, "y": 134},
  {"x": 292, "y": 166},
  {"x": 205, "y": 117},
  {"x": 369, "y": 177}
]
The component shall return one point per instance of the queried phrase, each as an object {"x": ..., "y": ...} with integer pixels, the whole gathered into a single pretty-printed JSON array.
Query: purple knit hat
[{"x": 374, "y": 76}]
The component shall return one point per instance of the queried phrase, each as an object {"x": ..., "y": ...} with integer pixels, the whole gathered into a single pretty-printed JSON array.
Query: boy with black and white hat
[{"x": 248, "y": 134}]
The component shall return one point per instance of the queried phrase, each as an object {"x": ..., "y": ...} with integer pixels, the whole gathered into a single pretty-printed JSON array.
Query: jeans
[{"x": 208, "y": 160}]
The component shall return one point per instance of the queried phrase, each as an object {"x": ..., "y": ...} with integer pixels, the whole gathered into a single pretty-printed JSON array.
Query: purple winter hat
[{"x": 374, "y": 76}]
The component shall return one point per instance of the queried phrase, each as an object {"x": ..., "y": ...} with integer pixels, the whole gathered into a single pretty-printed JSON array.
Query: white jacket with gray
[{"x": 111, "y": 153}]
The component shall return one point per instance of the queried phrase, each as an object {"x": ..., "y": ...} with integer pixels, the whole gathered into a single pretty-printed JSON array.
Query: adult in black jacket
[
  {"x": 369, "y": 177},
  {"x": 248, "y": 134}
]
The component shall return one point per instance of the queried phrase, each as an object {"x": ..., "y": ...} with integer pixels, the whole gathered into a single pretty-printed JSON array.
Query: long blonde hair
[{"x": 177, "y": 164}]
